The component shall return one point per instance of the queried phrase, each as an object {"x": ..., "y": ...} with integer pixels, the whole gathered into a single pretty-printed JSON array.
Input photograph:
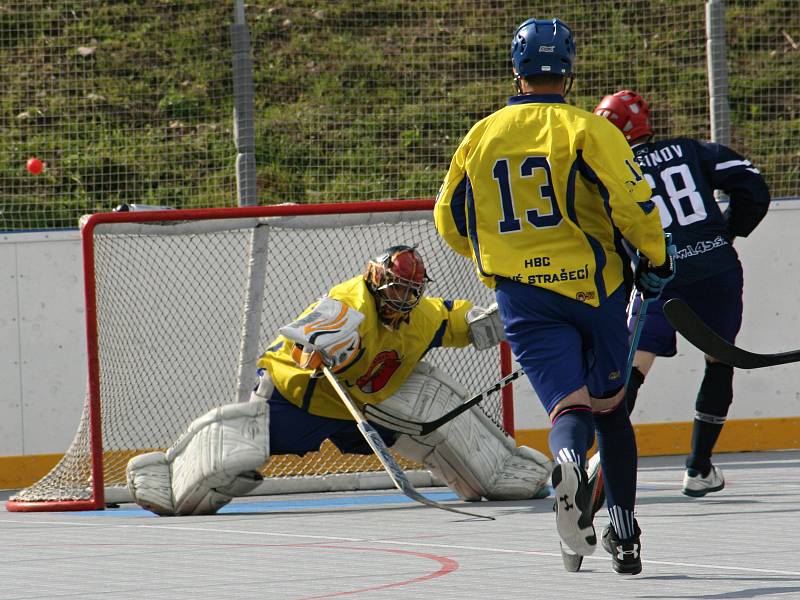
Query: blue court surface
[{"x": 741, "y": 542}]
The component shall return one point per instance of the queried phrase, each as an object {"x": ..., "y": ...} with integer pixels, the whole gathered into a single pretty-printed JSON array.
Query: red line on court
[{"x": 448, "y": 566}]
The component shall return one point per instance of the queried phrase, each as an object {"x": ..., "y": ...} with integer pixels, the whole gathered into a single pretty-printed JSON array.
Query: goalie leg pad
[
  {"x": 150, "y": 482},
  {"x": 216, "y": 460},
  {"x": 471, "y": 454}
]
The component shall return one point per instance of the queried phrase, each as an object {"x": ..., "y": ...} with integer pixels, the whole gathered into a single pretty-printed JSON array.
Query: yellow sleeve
[
  {"x": 450, "y": 211},
  {"x": 453, "y": 332},
  {"x": 608, "y": 154}
]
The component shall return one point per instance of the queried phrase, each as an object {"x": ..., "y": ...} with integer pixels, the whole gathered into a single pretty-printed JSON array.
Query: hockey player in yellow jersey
[
  {"x": 373, "y": 332},
  {"x": 390, "y": 346},
  {"x": 539, "y": 195}
]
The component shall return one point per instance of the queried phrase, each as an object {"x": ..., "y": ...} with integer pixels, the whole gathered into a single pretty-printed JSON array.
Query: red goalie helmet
[
  {"x": 628, "y": 111},
  {"x": 397, "y": 280}
]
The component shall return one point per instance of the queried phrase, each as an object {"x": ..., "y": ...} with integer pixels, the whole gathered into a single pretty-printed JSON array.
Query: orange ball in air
[{"x": 34, "y": 166}]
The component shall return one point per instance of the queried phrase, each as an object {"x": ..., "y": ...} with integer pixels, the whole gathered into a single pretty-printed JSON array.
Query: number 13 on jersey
[{"x": 536, "y": 170}]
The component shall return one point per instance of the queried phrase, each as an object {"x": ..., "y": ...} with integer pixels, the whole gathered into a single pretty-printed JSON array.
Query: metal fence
[{"x": 133, "y": 102}]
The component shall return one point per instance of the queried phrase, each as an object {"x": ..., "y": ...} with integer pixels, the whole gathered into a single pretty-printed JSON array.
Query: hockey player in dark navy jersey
[{"x": 683, "y": 174}]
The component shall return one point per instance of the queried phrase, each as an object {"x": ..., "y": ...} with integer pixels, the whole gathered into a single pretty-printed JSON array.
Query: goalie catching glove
[
  {"x": 328, "y": 334},
  {"x": 485, "y": 327}
]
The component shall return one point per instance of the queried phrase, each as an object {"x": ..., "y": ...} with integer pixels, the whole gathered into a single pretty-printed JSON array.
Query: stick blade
[
  {"x": 700, "y": 335},
  {"x": 398, "y": 476}
]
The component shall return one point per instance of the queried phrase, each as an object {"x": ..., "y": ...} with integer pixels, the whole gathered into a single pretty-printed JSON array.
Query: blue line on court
[{"x": 280, "y": 505}]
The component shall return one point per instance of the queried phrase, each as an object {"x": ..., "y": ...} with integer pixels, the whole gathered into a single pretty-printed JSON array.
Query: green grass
[{"x": 132, "y": 102}]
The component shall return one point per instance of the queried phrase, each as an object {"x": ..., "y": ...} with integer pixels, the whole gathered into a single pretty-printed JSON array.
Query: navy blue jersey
[{"x": 683, "y": 174}]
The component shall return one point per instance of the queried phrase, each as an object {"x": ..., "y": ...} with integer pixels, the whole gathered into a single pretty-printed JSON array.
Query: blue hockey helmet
[{"x": 543, "y": 47}]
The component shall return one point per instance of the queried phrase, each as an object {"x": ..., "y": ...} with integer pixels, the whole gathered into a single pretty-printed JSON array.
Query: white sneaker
[
  {"x": 695, "y": 485},
  {"x": 573, "y": 508}
]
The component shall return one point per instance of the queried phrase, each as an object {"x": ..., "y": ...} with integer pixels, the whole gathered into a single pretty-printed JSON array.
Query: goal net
[{"x": 180, "y": 305}]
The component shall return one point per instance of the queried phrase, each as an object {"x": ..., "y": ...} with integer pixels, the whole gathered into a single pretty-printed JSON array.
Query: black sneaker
[
  {"x": 625, "y": 554},
  {"x": 574, "y": 508}
]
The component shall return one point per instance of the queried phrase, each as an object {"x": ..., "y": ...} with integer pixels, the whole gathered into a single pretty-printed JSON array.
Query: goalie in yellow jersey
[
  {"x": 539, "y": 195},
  {"x": 373, "y": 331}
]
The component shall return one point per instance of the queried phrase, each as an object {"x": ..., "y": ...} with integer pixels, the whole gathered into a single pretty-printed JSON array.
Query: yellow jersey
[
  {"x": 385, "y": 359},
  {"x": 540, "y": 191}
]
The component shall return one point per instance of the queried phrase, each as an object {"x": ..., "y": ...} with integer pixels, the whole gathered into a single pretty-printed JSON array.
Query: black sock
[
  {"x": 711, "y": 409},
  {"x": 617, "y": 443},
  {"x": 571, "y": 435},
  {"x": 704, "y": 438}
]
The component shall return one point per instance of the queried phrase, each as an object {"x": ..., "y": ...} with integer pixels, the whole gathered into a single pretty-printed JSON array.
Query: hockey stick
[
  {"x": 380, "y": 449},
  {"x": 638, "y": 325},
  {"x": 402, "y": 425},
  {"x": 647, "y": 298},
  {"x": 700, "y": 335}
]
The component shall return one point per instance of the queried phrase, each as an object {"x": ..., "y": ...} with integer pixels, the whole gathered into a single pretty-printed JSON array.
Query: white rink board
[
  {"x": 771, "y": 324},
  {"x": 42, "y": 333},
  {"x": 43, "y": 363}
]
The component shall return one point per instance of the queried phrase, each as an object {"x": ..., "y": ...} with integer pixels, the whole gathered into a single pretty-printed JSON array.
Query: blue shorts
[
  {"x": 293, "y": 430},
  {"x": 717, "y": 300},
  {"x": 564, "y": 344}
]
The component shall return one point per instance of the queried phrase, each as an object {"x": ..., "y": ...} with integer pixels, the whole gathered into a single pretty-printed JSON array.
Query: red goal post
[{"x": 181, "y": 303}]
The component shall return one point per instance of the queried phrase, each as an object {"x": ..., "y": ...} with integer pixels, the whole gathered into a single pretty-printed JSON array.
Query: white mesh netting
[{"x": 169, "y": 315}]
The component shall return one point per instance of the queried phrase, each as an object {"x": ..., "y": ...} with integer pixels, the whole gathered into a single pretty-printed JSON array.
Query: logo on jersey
[
  {"x": 380, "y": 372},
  {"x": 584, "y": 296}
]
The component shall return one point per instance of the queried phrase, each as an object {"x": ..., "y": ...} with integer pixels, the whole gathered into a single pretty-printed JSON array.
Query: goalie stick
[
  {"x": 402, "y": 425},
  {"x": 380, "y": 449},
  {"x": 700, "y": 335}
]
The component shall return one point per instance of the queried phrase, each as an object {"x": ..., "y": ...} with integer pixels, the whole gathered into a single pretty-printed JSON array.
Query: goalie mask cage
[{"x": 180, "y": 304}]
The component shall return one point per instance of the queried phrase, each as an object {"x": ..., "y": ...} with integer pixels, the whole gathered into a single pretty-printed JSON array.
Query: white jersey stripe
[{"x": 729, "y": 164}]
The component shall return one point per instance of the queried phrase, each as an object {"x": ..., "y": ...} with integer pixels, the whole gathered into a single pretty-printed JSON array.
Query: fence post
[
  {"x": 243, "y": 110},
  {"x": 717, "y": 72}
]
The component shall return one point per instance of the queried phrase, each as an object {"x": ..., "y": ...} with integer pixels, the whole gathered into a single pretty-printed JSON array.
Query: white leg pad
[
  {"x": 150, "y": 482},
  {"x": 471, "y": 454},
  {"x": 216, "y": 460}
]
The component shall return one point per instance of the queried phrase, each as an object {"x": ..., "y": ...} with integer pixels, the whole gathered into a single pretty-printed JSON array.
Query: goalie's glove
[
  {"x": 485, "y": 327},
  {"x": 650, "y": 280},
  {"x": 328, "y": 334}
]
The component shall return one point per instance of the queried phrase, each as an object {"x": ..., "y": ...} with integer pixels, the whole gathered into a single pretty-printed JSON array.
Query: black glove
[{"x": 650, "y": 280}]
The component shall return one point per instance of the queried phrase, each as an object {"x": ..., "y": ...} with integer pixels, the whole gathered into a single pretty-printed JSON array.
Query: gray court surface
[{"x": 739, "y": 543}]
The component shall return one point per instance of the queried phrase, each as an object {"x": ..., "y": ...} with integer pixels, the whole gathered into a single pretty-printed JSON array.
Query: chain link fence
[{"x": 132, "y": 102}]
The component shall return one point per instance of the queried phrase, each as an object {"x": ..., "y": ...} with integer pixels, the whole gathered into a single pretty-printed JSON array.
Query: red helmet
[
  {"x": 397, "y": 279},
  {"x": 628, "y": 111}
]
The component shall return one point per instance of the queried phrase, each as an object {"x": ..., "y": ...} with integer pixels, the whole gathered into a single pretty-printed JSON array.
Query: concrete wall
[{"x": 43, "y": 358}]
